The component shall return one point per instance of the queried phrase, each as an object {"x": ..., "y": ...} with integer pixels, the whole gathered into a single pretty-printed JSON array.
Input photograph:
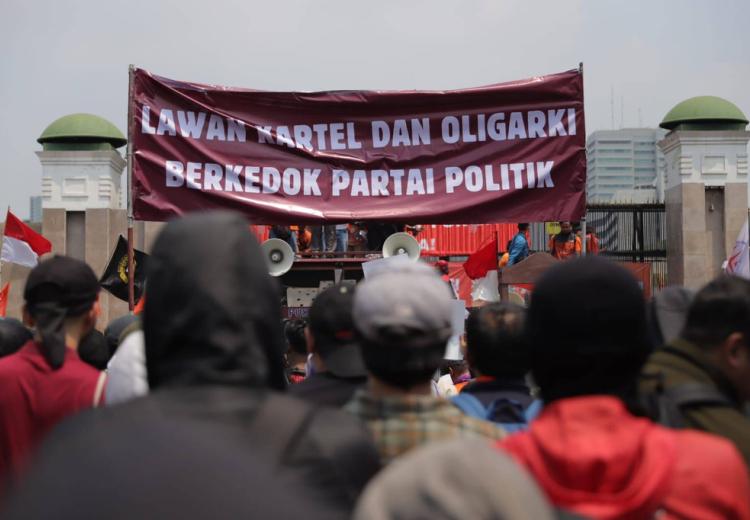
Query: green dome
[
  {"x": 81, "y": 132},
  {"x": 705, "y": 113}
]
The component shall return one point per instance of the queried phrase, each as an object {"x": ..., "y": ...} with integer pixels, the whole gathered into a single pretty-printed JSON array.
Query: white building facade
[{"x": 625, "y": 166}]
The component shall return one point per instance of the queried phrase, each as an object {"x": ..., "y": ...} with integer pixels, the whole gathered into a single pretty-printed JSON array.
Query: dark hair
[
  {"x": 294, "y": 332},
  {"x": 495, "y": 341},
  {"x": 13, "y": 336},
  {"x": 523, "y": 226},
  {"x": 458, "y": 365},
  {"x": 403, "y": 358},
  {"x": 94, "y": 350},
  {"x": 587, "y": 331},
  {"x": 719, "y": 309}
]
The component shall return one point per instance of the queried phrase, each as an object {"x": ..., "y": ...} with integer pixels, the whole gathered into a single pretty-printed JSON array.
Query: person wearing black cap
[
  {"x": 588, "y": 450},
  {"x": 46, "y": 380},
  {"x": 214, "y": 359},
  {"x": 337, "y": 362}
]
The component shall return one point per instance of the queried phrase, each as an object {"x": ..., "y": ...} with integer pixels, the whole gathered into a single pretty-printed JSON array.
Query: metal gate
[{"x": 631, "y": 233}]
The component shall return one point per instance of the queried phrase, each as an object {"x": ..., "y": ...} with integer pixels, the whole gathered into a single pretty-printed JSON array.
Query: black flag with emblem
[{"x": 115, "y": 277}]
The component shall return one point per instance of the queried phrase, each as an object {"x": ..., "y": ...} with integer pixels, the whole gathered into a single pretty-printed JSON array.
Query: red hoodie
[{"x": 593, "y": 458}]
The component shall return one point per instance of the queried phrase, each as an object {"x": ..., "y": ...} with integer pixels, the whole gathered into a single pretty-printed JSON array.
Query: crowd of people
[
  {"x": 590, "y": 403},
  {"x": 356, "y": 237}
]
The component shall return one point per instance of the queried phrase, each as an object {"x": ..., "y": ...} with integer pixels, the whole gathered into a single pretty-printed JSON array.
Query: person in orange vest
[
  {"x": 592, "y": 241},
  {"x": 566, "y": 243}
]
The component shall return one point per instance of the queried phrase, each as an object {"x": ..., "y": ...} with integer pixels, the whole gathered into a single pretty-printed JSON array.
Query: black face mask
[
  {"x": 57, "y": 289},
  {"x": 212, "y": 315}
]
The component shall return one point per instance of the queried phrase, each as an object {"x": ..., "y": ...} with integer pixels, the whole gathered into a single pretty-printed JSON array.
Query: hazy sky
[{"x": 60, "y": 57}]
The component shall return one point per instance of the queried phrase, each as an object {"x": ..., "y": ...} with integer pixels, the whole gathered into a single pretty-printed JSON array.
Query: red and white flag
[
  {"x": 21, "y": 244},
  {"x": 481, "y": 267},
  {"x": 483, "y": 260}
]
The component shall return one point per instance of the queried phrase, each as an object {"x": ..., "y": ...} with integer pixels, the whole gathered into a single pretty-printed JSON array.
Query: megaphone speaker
[
  {"x": 401, "y": 244},
  {"x": 279, "y": 256}
]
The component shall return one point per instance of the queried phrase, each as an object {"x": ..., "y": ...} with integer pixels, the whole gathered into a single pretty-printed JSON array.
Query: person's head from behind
[
  {"x": 443, "y": 267},
  {"x": 718, "y": 321},
  {"x": 330, "y": 333},
  {"x": 454, "y": 479},
  {"x": 566, "y": 228},
  {"x": 13, "y": 336},
  {"x": 402, "y": 320},
  {"x": 523, "y": 227},
  {"x": 457, "y": 368},
  {"x": 99, "y": 348},
  {"x": 61, "y": 304},
  {"x": 586, "y": 330},
  {"x": 667, "y": 312},
  {"x": 294, "y": 334},
  {"x": 495, "y": 341},
  {"x": 212, "y": 315},
  {"x": 114, "y": 331}
]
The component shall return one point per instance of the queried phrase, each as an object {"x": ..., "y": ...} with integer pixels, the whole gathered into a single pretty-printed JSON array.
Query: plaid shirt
[{"x": 400, "y": 423}]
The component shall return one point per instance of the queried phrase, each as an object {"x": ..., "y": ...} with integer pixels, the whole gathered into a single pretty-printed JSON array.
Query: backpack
[
  {"x": 668, "y": 406},
  {"x": 473, "y": 407}
]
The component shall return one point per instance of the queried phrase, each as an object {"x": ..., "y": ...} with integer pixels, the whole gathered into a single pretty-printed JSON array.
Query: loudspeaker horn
[
  {"x": 401, "y": 244},
  {"x": 279, "y": 256}
]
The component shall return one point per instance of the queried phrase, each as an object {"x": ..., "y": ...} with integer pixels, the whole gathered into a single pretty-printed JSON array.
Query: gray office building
[
  {"x": 35, "y": 213},
  {"x": 625, "y": 166}
]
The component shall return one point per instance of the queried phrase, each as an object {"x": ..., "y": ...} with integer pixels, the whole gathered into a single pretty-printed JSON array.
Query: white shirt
[{"x": 126, "y": 372}]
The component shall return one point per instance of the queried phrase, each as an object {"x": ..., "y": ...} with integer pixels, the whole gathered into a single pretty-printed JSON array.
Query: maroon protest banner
[{"x": 502, "y": 153}]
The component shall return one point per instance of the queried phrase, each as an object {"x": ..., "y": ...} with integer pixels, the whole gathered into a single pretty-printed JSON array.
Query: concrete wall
[
  {"x": 81, "y": 180},
  {"x": 703, "y": 225},
  {"x": 706, "y": 201}
]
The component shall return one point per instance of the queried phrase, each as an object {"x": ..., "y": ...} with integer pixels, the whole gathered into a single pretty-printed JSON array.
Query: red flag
[
  {"x": 482, "y": 260},
  {"x": 21, "y": 244},
  {"x": 4, "y": 299}
]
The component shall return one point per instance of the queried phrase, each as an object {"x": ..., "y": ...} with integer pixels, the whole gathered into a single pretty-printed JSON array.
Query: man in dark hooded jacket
[{"x": 214, "y": 352}]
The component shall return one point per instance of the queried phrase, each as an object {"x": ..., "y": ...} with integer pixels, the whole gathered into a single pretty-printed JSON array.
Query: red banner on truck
[{"x": 511, "y": 152}]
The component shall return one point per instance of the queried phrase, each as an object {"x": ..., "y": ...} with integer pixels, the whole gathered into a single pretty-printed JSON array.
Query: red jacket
[
  {"x": 593, "y": 458},
  {"x": 34, "y": 398}
]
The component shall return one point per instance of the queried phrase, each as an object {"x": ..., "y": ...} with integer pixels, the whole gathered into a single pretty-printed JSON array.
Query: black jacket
[
  {"x": 326, "y": 389},
  {"x": 175, "y": 442},
  {"x": 214, "y": 359}
]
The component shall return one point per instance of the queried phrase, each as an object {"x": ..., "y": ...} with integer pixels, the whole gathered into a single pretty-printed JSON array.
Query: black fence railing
[{"x": 630, "y": 233}]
